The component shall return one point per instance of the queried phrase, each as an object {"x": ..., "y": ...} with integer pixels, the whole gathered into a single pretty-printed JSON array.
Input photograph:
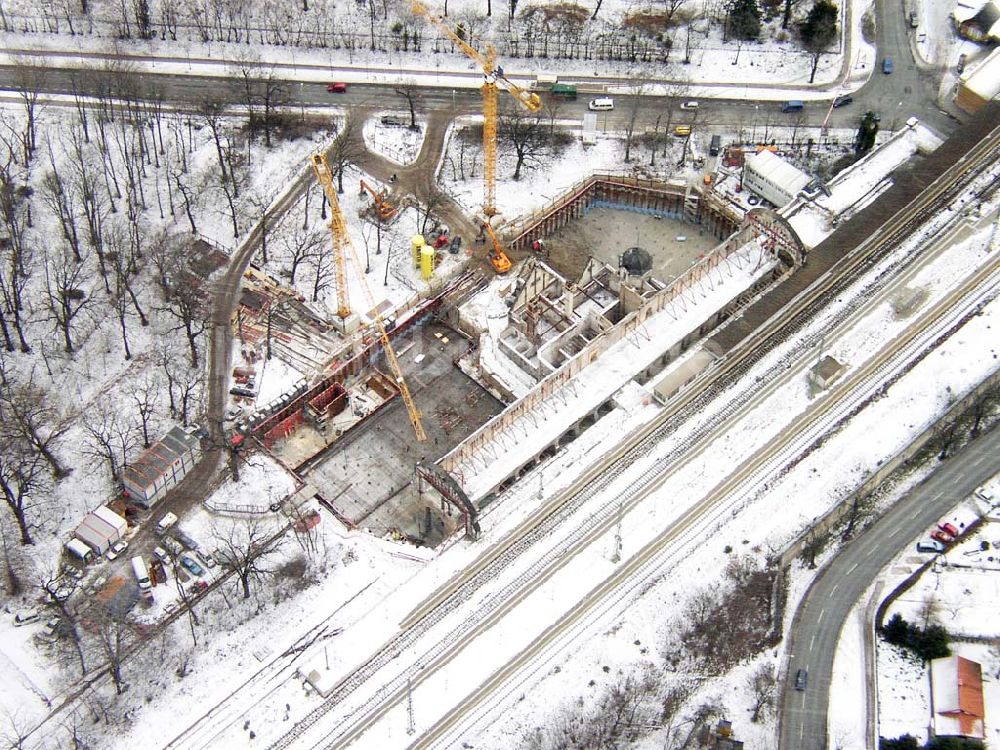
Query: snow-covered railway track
[
  {"x": 541, "y": 527},
  {"x": 764, "y": 467}
]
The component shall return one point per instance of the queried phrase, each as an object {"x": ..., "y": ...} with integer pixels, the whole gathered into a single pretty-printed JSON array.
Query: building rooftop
[
  {"x": 159, "y": 457},
  {"x": 957, "y": 697},
  {"x": 779, "y": 171},
  {"x": 984, "y": 79}
]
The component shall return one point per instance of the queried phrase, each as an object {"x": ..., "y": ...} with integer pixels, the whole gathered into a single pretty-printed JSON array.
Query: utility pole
[
  {"x": 410, "y": 724},
  {"x": 617, "y": 556}
]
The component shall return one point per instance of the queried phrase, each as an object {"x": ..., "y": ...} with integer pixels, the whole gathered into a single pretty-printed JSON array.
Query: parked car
[
  {"x": 199, "y": 585},
  {"x": 116, "y": 549},
  {"x": 456, "y": 245},
  {"x": 948, "y": 528},
  {"x": 929, "y": 546},
  {"x": 960, "y": 68},
  {"x": 801, "y": 678},
  {"x": 73, "y": 572},
  {"x": 842, "y": 100},
  {"x": 984, "y": 494},
  {"x": 192, "y": 567},
  {"x": 173, "y": 545},
  {"x": 161, "y": 554},
  {"x": 682, "y": 130},
  {"x": 206, "y": 556},
  {"x": 601, "y": 104},
  {"x": 26, "y": 617},
  {"x": 66, "y": 588},
  {"x": 941, "y": 536},
  {"x": 337, "y": 88}
]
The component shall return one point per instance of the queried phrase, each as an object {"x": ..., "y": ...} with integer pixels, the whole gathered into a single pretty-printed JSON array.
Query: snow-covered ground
[{"x": 101, "y": 376}]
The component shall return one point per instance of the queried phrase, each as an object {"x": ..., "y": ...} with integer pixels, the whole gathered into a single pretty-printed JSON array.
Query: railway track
[
  {"x": 759, "y": 471},
  {"x": 731, "y": 368}
]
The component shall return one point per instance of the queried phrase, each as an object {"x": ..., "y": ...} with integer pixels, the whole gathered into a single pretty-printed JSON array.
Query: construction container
[
  {"x": 416, "y": 243},
  {"x": 96, "y": 533},
  {"x": 79, "y": 550},
  {"x": 110, "y": 517},
  {"x": 426, "y": 262}
]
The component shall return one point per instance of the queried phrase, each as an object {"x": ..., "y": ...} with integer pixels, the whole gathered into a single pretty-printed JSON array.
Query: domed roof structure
[{"x": 636, "y": 261}]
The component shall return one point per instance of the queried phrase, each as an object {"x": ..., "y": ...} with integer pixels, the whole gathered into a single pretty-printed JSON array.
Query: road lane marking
[
  {"x": 852, "y": 568},
  {"x": 820, "y": 618}
]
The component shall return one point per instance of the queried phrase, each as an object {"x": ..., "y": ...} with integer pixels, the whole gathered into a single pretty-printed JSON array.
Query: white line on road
[
  {"x": 820, "y": 618},
  {"x": 852, "y": 568}
]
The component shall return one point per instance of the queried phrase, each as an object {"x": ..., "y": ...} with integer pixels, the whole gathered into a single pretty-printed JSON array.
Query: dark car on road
[
  {"x": 801, "y": 678},
  {"x": 842, "y": 101}
]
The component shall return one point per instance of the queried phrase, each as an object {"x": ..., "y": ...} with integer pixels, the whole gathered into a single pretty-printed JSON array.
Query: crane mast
[
  {"x": 342, "y": 242},
  {"x": 492, "y": 77},
  {"x": 338, "y": 231}
]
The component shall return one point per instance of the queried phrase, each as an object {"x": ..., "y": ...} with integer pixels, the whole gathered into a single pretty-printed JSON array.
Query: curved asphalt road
[{"x": 816, "y": 627}]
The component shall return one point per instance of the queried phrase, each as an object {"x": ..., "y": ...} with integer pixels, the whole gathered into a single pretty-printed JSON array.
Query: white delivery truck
[
  {"x": 141, "y": 573},
  {"x": 165, "y": 523}
]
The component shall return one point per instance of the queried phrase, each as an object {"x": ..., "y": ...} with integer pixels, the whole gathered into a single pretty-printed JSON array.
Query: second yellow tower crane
[{"x": 492, "y": 76}]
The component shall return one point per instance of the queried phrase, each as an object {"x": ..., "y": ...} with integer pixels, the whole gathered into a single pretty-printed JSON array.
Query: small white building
[
  {"x": 772, "y": 178},
  {"x": 100, "y": 529},
  {"x": 980, "y": 84},
  {"x": 161, "y": 467},
  {"x": 957, "y": 707}
]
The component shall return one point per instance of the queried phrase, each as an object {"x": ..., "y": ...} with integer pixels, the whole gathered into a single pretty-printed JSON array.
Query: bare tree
[
  {"x": 635, "y": 102},
  {"x": 411, "y": 94},
  {"x": 299, "y": 245},
  {"x": 145, "y": 395},
  {"x": 321, "y": 263},
  {"x": 346, "y": 149},
  {"x": 50, "y": 585},
  {"x": 188, "y": 306},
  {"x": 244, "y": 548},
  {"x": 112, "y": 635},
  {"x": 64, "y": 280},
  {"x": 27, "y": 413},
  {"x": 526, "y": 134},
  {"x": 111, "y": 437},
  {"x": 761, "y": 684},
  {"x": 23, "y": 477}
]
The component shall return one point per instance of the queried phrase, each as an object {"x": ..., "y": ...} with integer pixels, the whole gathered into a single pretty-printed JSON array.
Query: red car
[
  {"x": 941, "y": 536},
  {"x": 947, "y": 528},
  {"x": 337, "y": 88}
]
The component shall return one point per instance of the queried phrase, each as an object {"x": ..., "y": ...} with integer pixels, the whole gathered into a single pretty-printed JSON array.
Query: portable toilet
[
  {"x": 426, "y": 262},
  {"x": 416, "y": 243}
]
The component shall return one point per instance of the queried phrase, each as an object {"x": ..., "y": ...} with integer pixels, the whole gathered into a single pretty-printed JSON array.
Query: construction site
[
  {"x": 410, "y": 419},
  {"x": 408, "y": 422}
]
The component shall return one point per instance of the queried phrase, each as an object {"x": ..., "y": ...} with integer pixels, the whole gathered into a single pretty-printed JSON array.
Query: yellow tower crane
[
  {"x": 492, "y": 76},
  {"x": 342, "y": 242},
  {"x": 338, "y": 231}
]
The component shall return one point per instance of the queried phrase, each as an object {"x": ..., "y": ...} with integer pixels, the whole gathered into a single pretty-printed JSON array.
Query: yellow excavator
[
  {"x": 501, "y": 263},
  {"x": 383, "y": 209}
]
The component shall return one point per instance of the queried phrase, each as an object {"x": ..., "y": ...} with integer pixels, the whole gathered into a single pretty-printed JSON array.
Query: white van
[
  {"x": 601, "y": 104},
  {"x": 689, "y": 105},
  {"x": 165, "y": 523},
  {"x": 141, "y": 574}
]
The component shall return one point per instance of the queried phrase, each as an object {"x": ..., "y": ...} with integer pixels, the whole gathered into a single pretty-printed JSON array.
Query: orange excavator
[
  {"x": 383, "y": 208},
  {"x": 501, "y": 263}
]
